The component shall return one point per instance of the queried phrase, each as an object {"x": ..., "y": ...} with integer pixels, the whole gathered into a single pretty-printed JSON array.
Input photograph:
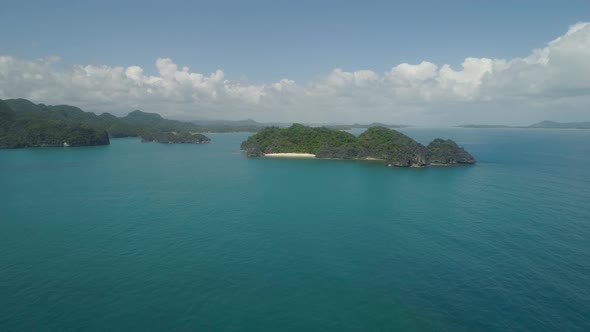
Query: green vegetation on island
[
  {"x": 25, "y": 124},
  {"x": 391, "y": 146},
  {"x": 21, "y": 129},
  {"x": 448, "y": 152},
  {"x": 297, "y": 138}
]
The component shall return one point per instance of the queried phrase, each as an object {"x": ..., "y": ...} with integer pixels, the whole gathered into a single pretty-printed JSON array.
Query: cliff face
[{"x": 391, "y": 146}]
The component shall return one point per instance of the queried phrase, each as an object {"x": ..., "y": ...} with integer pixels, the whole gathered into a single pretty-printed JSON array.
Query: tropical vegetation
[
  {"x": 26, "y": 124},
  {"x": 395, "y": 148}
]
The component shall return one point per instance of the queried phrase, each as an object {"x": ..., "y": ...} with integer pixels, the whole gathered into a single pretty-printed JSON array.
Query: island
[
  {"x": 561, "y": 125},
  {"x": 538, "y": 125},
  {"x": 376, "y": 143},
  {"x": 25, "y": 124},
  {"x": 18, "y": 130},
  {"x": 365, "y": 126},
  {"x": 174, "y": 137}
]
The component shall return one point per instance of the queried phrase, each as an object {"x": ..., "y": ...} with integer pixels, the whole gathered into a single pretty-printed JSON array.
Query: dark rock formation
[{"x": 254, "y": 152}]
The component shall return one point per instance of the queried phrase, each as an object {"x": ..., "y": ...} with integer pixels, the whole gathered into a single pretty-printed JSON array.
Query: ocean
[{"x": 149, "y": 237}]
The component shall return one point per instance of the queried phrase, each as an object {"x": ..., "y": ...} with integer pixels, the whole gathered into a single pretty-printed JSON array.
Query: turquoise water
[{"x": 143, "y": 237}]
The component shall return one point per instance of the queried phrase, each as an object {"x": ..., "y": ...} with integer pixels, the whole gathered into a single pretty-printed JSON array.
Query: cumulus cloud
[{"x": 552, "y": 82}]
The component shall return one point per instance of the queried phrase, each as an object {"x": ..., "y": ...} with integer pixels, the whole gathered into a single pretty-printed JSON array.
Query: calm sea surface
[{"x": 143, "y": 237}]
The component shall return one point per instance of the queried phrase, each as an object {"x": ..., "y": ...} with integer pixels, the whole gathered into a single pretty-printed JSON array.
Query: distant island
[
  {"x": 233, "y": 126},
  {"x": 376, "y": 143},
  {"x": 25, "y": 124},
  {"x": 365, "y": 126},
  {"x": 542, "y": 124},
  {"x": 175, "y": 138},
  {"x": 563, "y": 125},
  {"x": 254, "y": 126}
]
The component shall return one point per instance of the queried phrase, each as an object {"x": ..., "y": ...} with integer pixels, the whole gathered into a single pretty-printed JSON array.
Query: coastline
[
  {"x": 311, "y": 155},
  {"x": 290, "y": 155}
]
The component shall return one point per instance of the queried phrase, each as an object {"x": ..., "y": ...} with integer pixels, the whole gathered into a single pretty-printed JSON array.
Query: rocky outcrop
[{"x": 253, "y": 152}]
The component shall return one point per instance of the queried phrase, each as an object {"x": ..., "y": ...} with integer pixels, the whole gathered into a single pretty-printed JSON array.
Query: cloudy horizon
[{"x": 551, "y": 82}]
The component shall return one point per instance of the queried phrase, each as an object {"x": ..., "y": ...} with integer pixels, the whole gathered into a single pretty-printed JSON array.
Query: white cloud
[
  {"x": 552, "y": 82},
  {"x": 410, "y": 73}
]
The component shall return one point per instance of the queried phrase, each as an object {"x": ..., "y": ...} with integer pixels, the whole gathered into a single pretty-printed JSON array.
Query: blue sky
[
  {"x": 268, "y": 40},
  {"x": 417, "y": 62}
]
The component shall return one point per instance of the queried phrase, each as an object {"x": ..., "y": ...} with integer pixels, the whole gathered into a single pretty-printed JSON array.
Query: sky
[{"x": 412, "y": 62}]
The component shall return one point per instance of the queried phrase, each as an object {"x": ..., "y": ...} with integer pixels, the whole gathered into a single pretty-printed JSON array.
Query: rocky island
[{"x": 376, "y": 143}]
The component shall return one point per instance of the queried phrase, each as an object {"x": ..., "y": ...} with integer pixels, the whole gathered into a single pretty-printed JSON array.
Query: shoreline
[
  {"x": 311, "y": 155},
  {"x": 290, "y": 155}
]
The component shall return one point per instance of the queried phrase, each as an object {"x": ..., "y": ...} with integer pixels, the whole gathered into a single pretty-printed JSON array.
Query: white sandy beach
[{"x": 291, "y": 155}]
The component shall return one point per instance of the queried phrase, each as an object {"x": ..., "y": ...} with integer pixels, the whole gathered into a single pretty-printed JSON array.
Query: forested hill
[
  {"x": 386, "y": 144},
  {"x": 26, "y": 124}
]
